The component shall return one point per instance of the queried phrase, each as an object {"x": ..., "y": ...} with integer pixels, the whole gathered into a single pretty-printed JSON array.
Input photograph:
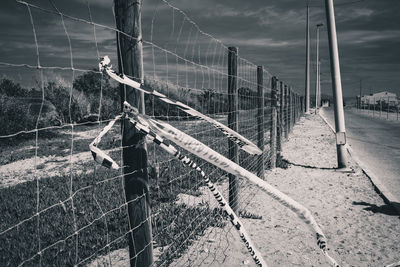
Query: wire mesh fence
[
  {"x": 59, "y": 207},
  {"x": 383, "y": 107}
]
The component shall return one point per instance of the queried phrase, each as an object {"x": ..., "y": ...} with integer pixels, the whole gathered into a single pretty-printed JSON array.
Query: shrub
[
  {"x": 70, "y": 108},
  {"x": 9, "y": 88},
  {"x": 96, "y": 87},
  {"x": 14, "y": 116}
]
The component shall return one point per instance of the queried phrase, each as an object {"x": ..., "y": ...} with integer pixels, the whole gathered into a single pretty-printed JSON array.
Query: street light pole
[
  {"x": 317, "y": 83},
  {"x": 307, "y": 85},
  {"x": 336, "y": 85}
]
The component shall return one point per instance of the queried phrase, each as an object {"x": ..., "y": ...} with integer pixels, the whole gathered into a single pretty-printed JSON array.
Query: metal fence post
[
  {"x": 260, "y": 121},
  {"x": 233, "y": 122},
  {"x": 387, "y": 115}
]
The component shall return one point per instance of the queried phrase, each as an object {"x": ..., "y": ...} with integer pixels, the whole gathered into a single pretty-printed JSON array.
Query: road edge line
[{"x": 387, "y": 196}]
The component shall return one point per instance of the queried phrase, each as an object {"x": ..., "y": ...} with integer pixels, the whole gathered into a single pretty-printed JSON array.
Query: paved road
[{"x": 376, "y": 141}]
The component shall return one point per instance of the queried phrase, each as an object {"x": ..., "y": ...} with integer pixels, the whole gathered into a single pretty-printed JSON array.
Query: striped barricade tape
[
  {"x": 143, "y": 128},
  {"x": 159, "y": 130},
  {"x": 240, "y": 140},
  {"x": 202, "y": 151},
  {"x": 99, "y": 155},
  {"x": 141, "y": 125}
]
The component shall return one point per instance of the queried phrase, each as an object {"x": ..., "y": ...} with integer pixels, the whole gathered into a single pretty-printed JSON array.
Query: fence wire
[{"x": 58, "y": 206}]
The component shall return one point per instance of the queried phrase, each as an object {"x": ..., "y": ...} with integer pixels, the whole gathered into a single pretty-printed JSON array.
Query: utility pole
[
  {"x": 307, "y": 85},
  {"x": 134, "y": 153},
  {"x": 336, "y": 86},
  {"x": 317, "y": 83}
]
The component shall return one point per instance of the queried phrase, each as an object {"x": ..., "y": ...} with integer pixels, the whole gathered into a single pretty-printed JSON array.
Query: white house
[{"x": 384, "y": 97}]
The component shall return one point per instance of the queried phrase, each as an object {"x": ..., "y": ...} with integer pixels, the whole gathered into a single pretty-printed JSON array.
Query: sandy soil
[
  {"x": 361, "y": 229},
  {"x": 28, "y": 169}
]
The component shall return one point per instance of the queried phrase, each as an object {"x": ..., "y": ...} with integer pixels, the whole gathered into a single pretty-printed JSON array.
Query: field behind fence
[{"x": 60, "y": 207}]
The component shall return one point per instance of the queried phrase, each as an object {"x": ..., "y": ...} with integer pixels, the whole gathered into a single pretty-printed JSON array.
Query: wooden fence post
[
  {"x": 233, "y": 122},
  {"x": 286, "y": 112},
  {"x": 294, "y": 108},
  {"x": 290, "y": 109},
  {"x": 134, "y": 153},
  {"x": 260, "y": 121},
  {"x": 297, "y": 107},
  {"x": 273, "y": 135},
  {"x": 280, "y": 118}
]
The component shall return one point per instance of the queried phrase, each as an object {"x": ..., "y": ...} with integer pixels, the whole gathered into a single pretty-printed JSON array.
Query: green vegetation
[
  {"x": 96, "y": 194},
  {"x": 98, "y": 204},
  {"x": 56, "y": 104},
  {"x": 97, "y": 210}
]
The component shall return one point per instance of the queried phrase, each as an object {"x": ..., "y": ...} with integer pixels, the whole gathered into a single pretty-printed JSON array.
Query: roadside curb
[{"x": 377, "y": 183}]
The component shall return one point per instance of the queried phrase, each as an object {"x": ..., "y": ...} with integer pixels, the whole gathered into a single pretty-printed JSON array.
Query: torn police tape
[
  {"x": 240, "y": 140},
  {"x": 204, "y": 152},
  {"x": 158, "y": 131},
  {"x": 99, "y": 155},
  {"x": 142, "y": 126}
]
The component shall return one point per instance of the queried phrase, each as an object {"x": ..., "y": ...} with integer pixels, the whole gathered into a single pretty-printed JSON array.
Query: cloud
[
  {"x": 263, "y": 42},
  {"x": 269, "y": 33},
  {"x": 368, "y": 37}
]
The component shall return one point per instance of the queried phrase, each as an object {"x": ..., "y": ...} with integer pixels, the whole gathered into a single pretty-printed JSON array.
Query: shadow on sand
[
  {"x": 391, "y": 209},
  {"x": 307, "y": 166}
]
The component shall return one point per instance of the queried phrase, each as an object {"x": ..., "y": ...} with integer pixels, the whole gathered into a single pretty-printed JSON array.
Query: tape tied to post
[
  {"x": 159, "y": 131},
  {"x": 204, "y": 152},
  {"x": 241, "y": 141},
  {"x": 143, "y": 127}
]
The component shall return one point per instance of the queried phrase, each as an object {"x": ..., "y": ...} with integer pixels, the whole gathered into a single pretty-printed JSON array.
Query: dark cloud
[{"x": 268, "y": 33}]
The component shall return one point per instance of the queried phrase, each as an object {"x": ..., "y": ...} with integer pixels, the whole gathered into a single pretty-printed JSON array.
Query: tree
[
  {"x": 97, "y": 87},
  {"x": 9, "y": 88}
]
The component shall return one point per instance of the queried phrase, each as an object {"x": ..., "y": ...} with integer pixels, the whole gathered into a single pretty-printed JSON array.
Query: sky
[{"x": 270, "y": 33}]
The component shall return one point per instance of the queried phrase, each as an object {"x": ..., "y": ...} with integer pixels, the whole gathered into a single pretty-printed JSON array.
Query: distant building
[
  {"x": 325, "y": 103},
  {"x": 384, "y": 97}
]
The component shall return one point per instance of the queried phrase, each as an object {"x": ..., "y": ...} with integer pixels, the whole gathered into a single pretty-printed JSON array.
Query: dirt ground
[{"x": 361, "y": 229}]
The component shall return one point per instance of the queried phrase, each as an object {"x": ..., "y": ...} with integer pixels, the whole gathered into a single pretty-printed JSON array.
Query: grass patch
[
  {"x": 97, "y": 191},
  {"x": 56, "y": 142}
]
